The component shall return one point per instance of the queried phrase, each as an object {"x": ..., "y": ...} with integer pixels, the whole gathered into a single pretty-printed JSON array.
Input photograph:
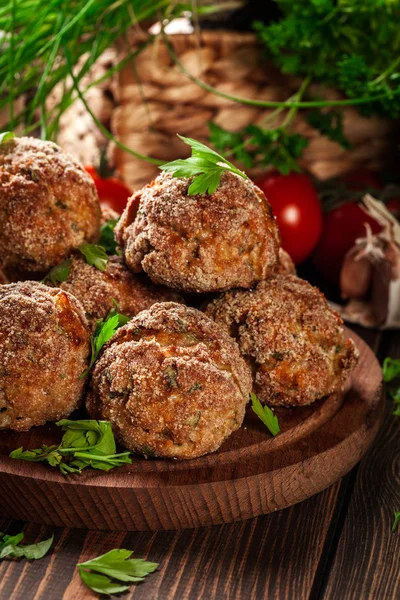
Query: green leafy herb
[
  {"x": 396, "y": 520},
  {"x": 10, "y": 547},
  {"x": 84, "y": 444},
  {"x": 254, "y": 146},
  {"x": 329, "y": 124},
  {"x": 95, "y": 255},
  {"x": 391, "y": 368},
  {"x": 350, "y": 45},
  {"x": 205, "y": 166},
  {"x": 391, "y": 376},
  {"x": 104, "y": 574},
  {"x": 265, "y": 414},
  {"x": 105, "y": 329},
  {"x": 6, "y": 136},
  {"x": 59, "y": 273},
  {"x": 107, "y": 239}
]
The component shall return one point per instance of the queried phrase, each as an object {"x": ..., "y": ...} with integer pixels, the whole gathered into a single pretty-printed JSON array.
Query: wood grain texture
[
  {"x": 274, "y": 557},
  {"x": 252, "y": 474},
  {"x": 370, "y": 569}
]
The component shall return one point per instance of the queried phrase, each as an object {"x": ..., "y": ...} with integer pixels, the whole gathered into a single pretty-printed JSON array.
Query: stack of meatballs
[{"x": 174, "y": 381}]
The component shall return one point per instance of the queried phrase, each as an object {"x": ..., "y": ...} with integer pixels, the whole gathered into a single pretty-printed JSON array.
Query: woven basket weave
[{"x": 156, "y": 100}]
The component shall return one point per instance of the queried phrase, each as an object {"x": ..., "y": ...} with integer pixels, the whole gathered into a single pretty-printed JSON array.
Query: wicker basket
[
  {"x": 153, "y": 100},
  {"x": 156, "y": 100}
]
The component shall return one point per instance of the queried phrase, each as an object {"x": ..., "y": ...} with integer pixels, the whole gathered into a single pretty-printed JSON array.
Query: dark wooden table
[{"x": 337, "y": 545}]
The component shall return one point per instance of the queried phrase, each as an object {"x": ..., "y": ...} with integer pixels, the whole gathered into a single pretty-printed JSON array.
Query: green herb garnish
[
  {"x": 254, "y": 146},
  {"x": 6, "y": 136},
  {"x": 59, "y": 273},
  {"x": 104, "y": 574},
  {"x": 105, "y": 329},
  {"x": 95, "y": 255},
  {"x": 10, "y": 547},
  {"x": 266, "y": 415},
  {"x": 391, "y": 368},
  {"x": 396, "y": 520},
  {"x": 84, "y": 444},
  {"x": 391, "y": 376},
  {"x": 205, "y": 166},
  {"x": 107, "y": 239}
]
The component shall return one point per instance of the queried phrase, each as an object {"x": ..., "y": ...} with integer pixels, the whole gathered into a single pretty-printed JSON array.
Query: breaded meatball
[
  {"x": 292, "y": 339},
  {"x": 96, "y": 289},
  {"x": 171, "y": 382},
  {"x": 200, "y": 243},
  {"x": 48, "y": 204},
  {"x": 44, "y": 348}
]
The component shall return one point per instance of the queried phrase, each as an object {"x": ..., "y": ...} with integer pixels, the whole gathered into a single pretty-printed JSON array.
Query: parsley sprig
[
  {"x": 396, "y": 520},
  {"x": 59, "y": 273},
  {"x": 105, "y": 329},
  {"x": 95, "y": 255},
  {"x": 107, "y": 239},
  {"x": 110, "y": 572},
  {"x": 266, "y": 415},
  {"x": 10, "y": 547},
  {"x": 205, "y": 166},
  {"x": 85, "y": 443},
  {"x": 391, "y": 376}
]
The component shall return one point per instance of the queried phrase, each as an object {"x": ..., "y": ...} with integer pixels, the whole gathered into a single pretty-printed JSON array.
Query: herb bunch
[{"x": 84, "y": 444}]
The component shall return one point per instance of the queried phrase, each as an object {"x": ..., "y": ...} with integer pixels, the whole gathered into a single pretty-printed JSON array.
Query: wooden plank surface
[
  {"x": 366, "y": 562},
  {"x": 325, "y": 547},
  {"x": 275, "y": 556}
]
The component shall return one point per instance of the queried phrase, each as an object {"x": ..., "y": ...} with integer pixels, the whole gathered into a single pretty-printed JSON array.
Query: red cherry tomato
[
  {"x": 295, "y": 204},
  {"x": 342, "y": 226},
  {"x": 111, "y": 191}
]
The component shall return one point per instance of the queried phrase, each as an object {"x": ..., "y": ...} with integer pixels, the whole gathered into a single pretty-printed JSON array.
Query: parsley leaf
[
  {"x": 205, "y": 166},
  {"x": 60, "y": 272},
  {"x": 95, "y": 255},
  {"x": 107, "y": 239},
  {"x": 329, "y": 124},
  {"x": 104, "y": 331},
  {"x": 391, "y": 368},
  {"x": 85, "y": 443},
  {"x": 396, "y": 520},
  {"x": 265, "y": 414},
  {"x": 6, "y": 136},
  {"x": 391, "y": 376},
  {"x": 98, "y": 573},
  {"x": 10, "y": 548}
]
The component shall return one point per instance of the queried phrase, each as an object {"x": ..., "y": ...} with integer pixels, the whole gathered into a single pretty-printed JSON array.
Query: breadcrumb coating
[
  {"x": 171, "y": 382},
  {"x": 44, "y": 349},
  {"x": 293, "y": 341},
  {"x": 96, "y": 289},
  {"x": 200, "y": 243},
  {"x": 48, "y": 204}
]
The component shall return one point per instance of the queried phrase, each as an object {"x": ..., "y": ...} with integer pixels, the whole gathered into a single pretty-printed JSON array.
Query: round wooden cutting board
[{"x": 251, "y": 474}]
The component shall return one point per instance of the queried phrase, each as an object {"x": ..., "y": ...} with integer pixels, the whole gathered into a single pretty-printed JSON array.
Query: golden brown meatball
[
  {"x": 96, "y": 289},
  {"x": 292, "y": 339},
  {"x": 48, "y": 204},
  {"x": 44, "y": 348},
  {"x": 171, "y": 382},
  {"x": 200, "y": 243}
]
